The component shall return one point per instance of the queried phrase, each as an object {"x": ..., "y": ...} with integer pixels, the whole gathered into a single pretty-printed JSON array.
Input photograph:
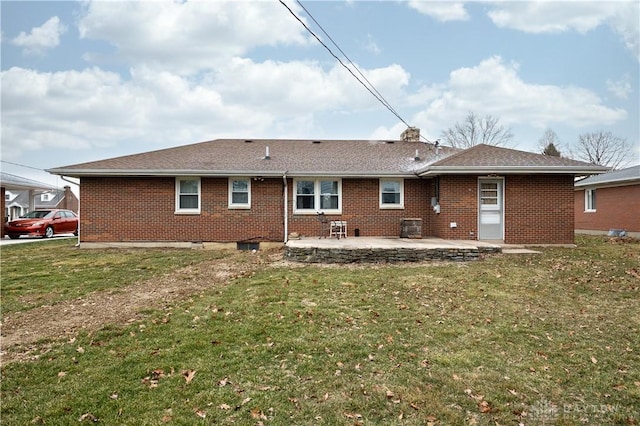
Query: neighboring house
[
  {"x": 234, "y": 190},
  {"x": 10, "y": 188},
  {"x": 610, "y": 201},
  {"x": 19, "y": 202}
]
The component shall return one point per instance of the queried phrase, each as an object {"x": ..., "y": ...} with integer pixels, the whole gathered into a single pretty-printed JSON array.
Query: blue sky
[{"x": 84, "y": 81}]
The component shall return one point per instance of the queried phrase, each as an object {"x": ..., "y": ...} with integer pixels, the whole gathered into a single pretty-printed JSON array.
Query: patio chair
[
  {"x": 325, "y": 226},
  {"x": 338, "y": 229}
]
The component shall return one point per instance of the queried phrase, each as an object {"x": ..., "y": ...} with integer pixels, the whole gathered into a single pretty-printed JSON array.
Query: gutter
[
  {"x": 75, "y": 183},
  {"x": 444, "y": 170},
  {"x": 224, "y": 173},
  {"x": 286, "y": 207}
]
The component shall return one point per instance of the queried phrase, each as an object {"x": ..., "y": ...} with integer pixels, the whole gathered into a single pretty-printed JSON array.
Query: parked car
[{"x": 43, "y": 223}]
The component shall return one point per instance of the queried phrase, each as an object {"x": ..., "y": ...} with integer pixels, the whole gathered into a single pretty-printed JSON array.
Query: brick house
[
  {"x": 609, "y": 201},
  {"x": 235, "y": 190}
]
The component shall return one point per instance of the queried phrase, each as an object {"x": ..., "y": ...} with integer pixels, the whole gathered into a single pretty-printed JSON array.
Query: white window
[
  {"x": 318, "y": 195},
  {"x": 590, "y": 200},
  {"x": 47, "y": 196},
  {"x": 391, "y": 193},
  {"x": 240, "y": 193},
  {"x": 188, "y": 195}
]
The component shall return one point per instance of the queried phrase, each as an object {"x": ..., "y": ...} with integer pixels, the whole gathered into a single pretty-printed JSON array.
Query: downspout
[
  {"x": 75, "y": 183},
  {"x": 286, "y": 205}
]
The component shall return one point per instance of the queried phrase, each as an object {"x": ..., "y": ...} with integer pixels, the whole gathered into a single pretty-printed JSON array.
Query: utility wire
[
  {"x": 385, "y": 102},
  {"x": 22, "y": 165},
  {"x": 342, "y": 63}
]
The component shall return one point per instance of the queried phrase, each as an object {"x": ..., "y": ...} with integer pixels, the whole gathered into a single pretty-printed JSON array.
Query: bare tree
[
  {"x": 549, "y": 143},
  {"x": 475, "y": 130},
  {"x": 602, "y": 148}
]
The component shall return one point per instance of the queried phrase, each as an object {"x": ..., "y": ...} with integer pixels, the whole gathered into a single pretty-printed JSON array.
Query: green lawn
[
  {"x": 47, "y": 272},
  {"x": 532, "y": 339}
]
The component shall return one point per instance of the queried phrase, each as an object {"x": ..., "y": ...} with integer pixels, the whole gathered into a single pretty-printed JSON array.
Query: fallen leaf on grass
[
  {"x": 484, "y": 407},
  {"x": 188, "y": 375},
  {"x": 88, "y": 416},
  {"x": 594, "y": 360},
  {"x": 62, "y": 374},
  {"x": 257, "y": 413},
  {"x": 223, "y": 382},
  {"x": 200, "y": 413}
]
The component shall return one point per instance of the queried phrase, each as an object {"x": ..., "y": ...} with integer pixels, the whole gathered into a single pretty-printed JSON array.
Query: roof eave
[
  {"x": 225, "y": 173},
  {"x": 450, "y": 170}
]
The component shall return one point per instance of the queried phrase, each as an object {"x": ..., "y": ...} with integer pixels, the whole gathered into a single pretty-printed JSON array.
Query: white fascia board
[
  {"x": 127, "y": 172},
  {"x": 222, "y": 173},
  {"x": 510, "y": 170}
]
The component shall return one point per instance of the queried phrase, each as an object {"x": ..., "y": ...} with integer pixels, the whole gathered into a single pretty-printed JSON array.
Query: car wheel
[
  {"x": 75, "y": 232},
  {"x": 48, "y": 232},
  {"x": 14, "y": 237}
]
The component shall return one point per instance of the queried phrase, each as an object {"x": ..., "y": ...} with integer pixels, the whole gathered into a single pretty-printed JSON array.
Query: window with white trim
[
  {"x": 239, "y": 193},
  {"x": 188, "y": 195},
  {"x": 391, "y": 193},
  {"x": 590, "y": 200},
  {"x": 318, "y": 195}
]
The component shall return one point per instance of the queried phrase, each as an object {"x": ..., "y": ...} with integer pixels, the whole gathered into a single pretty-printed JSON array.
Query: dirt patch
[{"x": 22, "y": 330}]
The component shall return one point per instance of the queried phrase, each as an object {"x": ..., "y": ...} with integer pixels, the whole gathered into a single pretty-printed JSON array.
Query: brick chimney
[{"x": 411, "y": 134}]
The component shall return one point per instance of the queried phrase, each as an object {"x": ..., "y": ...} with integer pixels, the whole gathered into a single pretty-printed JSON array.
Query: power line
[
  {"x": 22, "y": 165},
  {"x": 383, "y": 102}
]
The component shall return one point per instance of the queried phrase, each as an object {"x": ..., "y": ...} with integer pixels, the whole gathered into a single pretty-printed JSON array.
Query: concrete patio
[{"x": 380, "y": 249}]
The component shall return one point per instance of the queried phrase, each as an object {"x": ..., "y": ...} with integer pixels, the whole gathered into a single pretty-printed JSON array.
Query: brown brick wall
[
  {"x": 616, "y": 208},
  {"x": 458, "y": 203},
  {"x": 361, "y": 209},
  {"x": 142, "y": 209},
  {"x": 539, "y": 209}
]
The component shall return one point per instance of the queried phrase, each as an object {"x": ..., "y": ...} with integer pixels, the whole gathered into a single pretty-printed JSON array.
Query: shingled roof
[
  {"x": 238, "y": 157},
  {"x": 348, "y": 158},
  {"x": 492, "y": 159},
  {"x": 620, "y": 177}
]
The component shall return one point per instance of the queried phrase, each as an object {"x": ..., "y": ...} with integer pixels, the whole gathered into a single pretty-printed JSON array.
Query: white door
[{"x": 491, "y": 209}]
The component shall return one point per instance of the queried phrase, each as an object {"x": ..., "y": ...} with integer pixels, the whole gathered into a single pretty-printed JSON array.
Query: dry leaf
[
  {"x": 113, "y": 396},
  {"x": 244, "y": 401},
  {"x": 188, "y": 375},
  {"x": 200, "y": 413},
  {"x": 594, "y": 360},
  {"x": 224, "y": 407},
  {"x": 88, "y": 416},
  {"x": 80, "y": 350},
  {"x": 62, "y": 374},
  {"x": 484, "y": 407},
  {"x": 389, "y": 394},
  {"x": 223, "y": 382}
]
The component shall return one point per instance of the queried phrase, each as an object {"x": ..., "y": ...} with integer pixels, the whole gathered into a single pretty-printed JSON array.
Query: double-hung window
[
  {"x": 188, "y": 195},
  {"x": 590, "y": 200},
  {"x": 391, "y": 194},
  {"x": 239, "y": 193},
  {"x": 318, "y": 195}
]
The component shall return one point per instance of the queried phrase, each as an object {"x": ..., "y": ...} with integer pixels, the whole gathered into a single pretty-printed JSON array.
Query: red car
[{"x": 43, "y": 223}]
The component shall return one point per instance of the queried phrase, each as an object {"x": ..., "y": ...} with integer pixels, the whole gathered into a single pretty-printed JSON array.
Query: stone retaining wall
[{"x": 336, "y": 255}]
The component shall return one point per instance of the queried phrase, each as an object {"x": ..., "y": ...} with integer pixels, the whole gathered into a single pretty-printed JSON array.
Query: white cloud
[
  {"x": 46, "y": 36},
  {"x": 581, "y": 16},
  {"x": 80, "y": 110},
  {"x": 186, "y": 37},
  {"x": 442, "y": 11},
  {"x": 621, "y": 88},
  {"x": 493, "y": 87}
]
